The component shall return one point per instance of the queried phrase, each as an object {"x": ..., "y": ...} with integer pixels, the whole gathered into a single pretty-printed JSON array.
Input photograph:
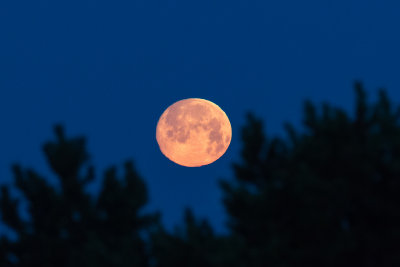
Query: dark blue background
[{"x": 108, "y": 69}]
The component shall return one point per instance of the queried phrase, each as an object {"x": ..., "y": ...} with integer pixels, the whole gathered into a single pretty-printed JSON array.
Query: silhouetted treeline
[{"x": 325, "y": 195}]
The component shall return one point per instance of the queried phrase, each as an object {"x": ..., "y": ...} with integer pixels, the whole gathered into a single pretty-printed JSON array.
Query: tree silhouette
[
  {"x": 194, "y": 244},
  {"x": 328, "y": 196},
  {"x": 68, "y": 226}
]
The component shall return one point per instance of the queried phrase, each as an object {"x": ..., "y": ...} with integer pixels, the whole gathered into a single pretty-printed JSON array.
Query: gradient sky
[{"x": 108, "y": 69}]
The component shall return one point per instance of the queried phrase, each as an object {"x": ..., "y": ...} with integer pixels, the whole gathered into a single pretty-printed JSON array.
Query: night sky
[{"x": 108, "y": 69}]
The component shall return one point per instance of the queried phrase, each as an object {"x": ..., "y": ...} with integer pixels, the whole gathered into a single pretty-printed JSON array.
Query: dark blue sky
[{"x": 108, "y": 69}]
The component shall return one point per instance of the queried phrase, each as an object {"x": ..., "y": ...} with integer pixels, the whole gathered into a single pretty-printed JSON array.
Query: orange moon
[{"x": 193, "y": 132}]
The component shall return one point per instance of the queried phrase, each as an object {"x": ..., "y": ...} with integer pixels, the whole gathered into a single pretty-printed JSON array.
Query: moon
[{"x": 193, "y": 132}]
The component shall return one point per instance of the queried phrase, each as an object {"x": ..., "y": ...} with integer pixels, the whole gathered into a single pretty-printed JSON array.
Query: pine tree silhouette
[
  {"x": 67, "y": 225},
  {"x": 327, "y": 196}
]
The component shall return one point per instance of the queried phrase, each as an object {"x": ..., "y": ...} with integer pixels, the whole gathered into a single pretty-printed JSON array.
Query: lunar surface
[{"x": 193, "y": 132}]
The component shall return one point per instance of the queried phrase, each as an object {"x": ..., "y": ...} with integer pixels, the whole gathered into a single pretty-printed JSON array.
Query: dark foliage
[
  {"x": 329, "y": 196},
  {"x": 66, "y": 225},
  {"x": 195, "y": 245}
]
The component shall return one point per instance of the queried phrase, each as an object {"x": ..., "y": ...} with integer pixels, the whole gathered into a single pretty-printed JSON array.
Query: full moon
[{"x": 193, "y": 132}]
